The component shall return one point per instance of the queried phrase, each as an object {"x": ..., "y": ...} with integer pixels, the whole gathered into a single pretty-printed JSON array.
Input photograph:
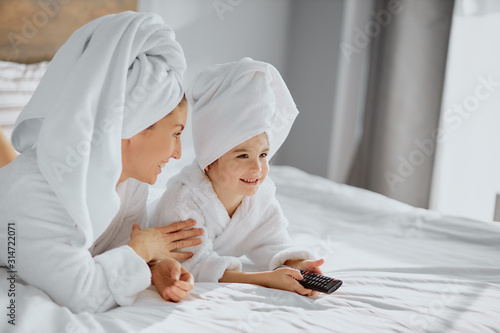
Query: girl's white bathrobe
[
  {"x": 257, "y": 229},
  {"x": 49, "y": 251}
]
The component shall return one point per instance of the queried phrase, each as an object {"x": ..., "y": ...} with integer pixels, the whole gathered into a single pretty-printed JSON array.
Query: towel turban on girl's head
[
  {"x": 113, "y": 78},
  {"x": 236, "y": 101}
]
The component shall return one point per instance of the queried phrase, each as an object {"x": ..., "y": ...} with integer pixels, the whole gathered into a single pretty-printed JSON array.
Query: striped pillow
[{"x": 17, "y": 84}]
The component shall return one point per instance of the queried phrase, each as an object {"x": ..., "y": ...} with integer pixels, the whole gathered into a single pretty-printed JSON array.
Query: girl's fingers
[
  {"x": 315, "y": 270},
  {"x": 299, "y": 289},
  {"x": 320, "y": 262},
  {"x": 312, "y": 265},
  {"x": 293, "y": 273}
]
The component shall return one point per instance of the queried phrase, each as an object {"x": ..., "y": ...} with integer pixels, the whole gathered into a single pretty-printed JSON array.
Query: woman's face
[{"x": 146, "y": 153}]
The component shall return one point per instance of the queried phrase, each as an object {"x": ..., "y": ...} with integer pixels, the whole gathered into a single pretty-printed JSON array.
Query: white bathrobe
[
  {"x": 48, "y": 254},
  {"x": 257, "y": 229}
]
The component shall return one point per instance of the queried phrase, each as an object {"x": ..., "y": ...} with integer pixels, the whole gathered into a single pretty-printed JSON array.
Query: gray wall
[{"x": 311, "y": 70}]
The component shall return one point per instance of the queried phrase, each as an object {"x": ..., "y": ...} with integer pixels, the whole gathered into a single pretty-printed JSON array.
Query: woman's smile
[{"x": 161, "y": 165}]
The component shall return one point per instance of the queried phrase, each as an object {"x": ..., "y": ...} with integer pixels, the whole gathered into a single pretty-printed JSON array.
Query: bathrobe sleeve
[
  {"x": 52, "y": 255},
  {"x": 274, "y": 246},
  {"x": 178, "y": 204}
]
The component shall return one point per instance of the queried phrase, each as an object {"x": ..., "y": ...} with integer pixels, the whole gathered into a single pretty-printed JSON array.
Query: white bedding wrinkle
[
  {"x": 257, "y": 228},
  {"x": 404, "y": 270}
]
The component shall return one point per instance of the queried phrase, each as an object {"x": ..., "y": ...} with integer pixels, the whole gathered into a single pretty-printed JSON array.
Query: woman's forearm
[{"x": 258, "y": 278}]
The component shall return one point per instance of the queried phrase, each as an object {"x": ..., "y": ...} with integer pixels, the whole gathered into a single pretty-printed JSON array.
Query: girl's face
[
  {"x": 240, "y": 171},
  {"x": 146, "y": 153}
]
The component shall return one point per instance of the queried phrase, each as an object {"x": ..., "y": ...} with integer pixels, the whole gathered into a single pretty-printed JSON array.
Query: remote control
[{"x": 318, "y": 282}]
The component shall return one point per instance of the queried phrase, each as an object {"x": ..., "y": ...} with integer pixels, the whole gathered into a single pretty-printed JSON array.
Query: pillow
[{"x": 17, "y": 84}]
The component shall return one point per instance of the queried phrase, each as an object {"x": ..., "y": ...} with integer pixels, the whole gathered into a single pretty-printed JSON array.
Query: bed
[{"x": 404, "y": 270}]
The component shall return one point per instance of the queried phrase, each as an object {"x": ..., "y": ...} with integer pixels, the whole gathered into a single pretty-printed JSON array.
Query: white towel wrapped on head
[{"x": 234, "y": 102}]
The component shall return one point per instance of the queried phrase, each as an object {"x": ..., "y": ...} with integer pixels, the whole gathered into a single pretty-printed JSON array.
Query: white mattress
[{"x": 404, "y": 269}]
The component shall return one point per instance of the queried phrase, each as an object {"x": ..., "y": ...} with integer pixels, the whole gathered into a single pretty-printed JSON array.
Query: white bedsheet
[{"x": 404, "y": 270}]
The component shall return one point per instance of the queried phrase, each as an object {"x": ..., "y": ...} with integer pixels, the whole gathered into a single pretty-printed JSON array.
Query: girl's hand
[
  {"x": 172, "y": 281},
  {"x": 159, "y": 243},
  {"x": 307, "y": 265},
  {"x": 286, "y": 279}
]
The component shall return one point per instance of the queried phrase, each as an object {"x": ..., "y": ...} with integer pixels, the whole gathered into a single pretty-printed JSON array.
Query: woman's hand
[
  {"x": 159, "y": 243},
  {"x": 172, "y": 281}
]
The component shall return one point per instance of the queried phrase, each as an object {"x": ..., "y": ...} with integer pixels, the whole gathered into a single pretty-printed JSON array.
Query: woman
[{"x": 106, "y": 117}]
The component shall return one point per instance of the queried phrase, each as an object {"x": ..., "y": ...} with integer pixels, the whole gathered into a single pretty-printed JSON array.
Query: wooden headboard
[{"x": 33, "y": 30}]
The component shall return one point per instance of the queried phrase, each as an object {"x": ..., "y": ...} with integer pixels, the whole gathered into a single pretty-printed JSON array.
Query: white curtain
[{"x": 466, "y": 175}]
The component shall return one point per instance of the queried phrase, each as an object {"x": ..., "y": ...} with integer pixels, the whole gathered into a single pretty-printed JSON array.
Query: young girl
[{"x": 242, "y": 113}]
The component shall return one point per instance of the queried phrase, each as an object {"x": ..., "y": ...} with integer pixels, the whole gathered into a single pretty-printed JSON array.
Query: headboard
[{"x": 33, "y": 30}]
